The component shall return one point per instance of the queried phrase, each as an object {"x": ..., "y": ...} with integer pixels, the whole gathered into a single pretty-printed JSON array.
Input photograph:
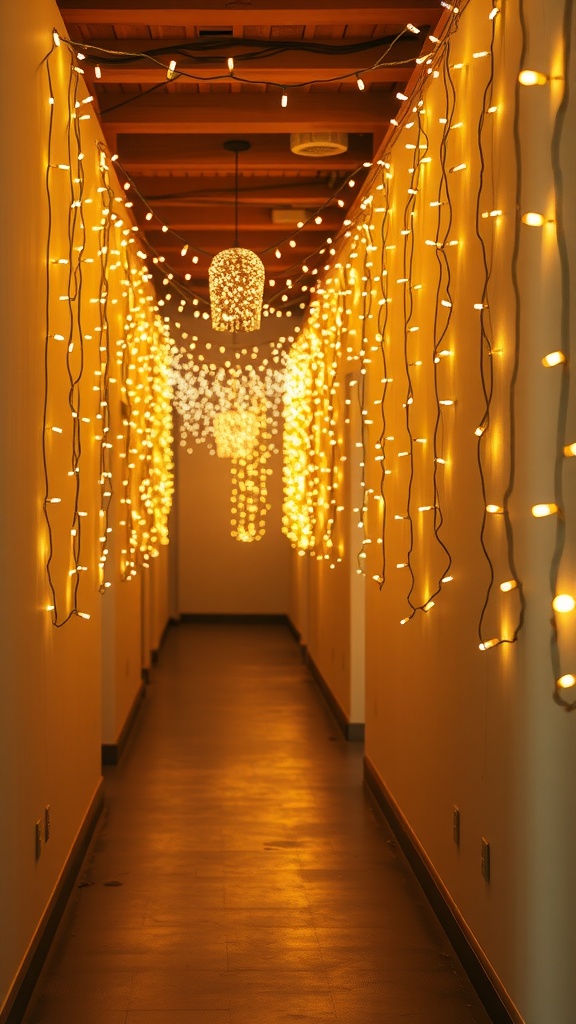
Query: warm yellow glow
[
  {"x": 508, "y": 585},
  {"x": 487, "y": 644},
  {"x": 566, "y": 681},
  {"x": 528, "y": 77},
  {"x": 544, "y": 509},
  {"x": 494, "y": 509},
  {"x": 236, "y": 433},
  {"x": 570, "y": 450},
  {"x": 236, "y": 278},
  {"x": 564, "y": 603},
  {"x": 534, "y": 220},
  {"x": 553, "y": 359}
]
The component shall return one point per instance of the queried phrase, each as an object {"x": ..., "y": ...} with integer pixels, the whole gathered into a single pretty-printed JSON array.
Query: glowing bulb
[
  {"x": 412, "y": 28},
  {"x": 401, "y": 96},
  {"x": 569, "y": 450},
  {"x": 533, "y": 220},
  {"x": 360, "y": 83},
  {"x": 184, "y": 250},
  {"x": 171, "y": 70},
  {"x": 494, "y": 509},
  {"x": 553, "y": 359},
  {"x": 284, "y": 100},
  {"x": 528, "y": 77},
  {"x": 566, "y": 681},
  {"x": 98, "y": 71},
  {"x": 487, "y": 644},
  {"x": 547, "y": 509},
  {"x": 428, "y": 606},
  {"x": 508, "y": 585},
  {"x": 230, "y": 63},
  {"x": 56, "y": 38},
  {"x": 564, "y": 603}
]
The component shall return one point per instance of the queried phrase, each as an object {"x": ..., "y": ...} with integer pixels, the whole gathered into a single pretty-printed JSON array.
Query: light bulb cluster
[
  {"x": 388, "y": 314},
  {"x": 230, "y": 399},
  {"x": 108, "y": 423},
  {"x": 288, "y": 295}
]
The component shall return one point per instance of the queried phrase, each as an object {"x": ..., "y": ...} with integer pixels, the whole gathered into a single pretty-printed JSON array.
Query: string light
[{"x": 528, "y": 77}]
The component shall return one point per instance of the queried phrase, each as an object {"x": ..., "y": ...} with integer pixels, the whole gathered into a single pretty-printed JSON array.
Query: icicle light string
[
  {"x": 563, "y": 681},
  {"x": 490, "y": 523},
  {"x": 73, "y": 329}
]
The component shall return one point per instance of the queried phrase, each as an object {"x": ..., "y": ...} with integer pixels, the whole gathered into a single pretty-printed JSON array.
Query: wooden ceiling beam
[
  {"x": 205, "y": 113},
  {"x": 288, "y": 68},
  {"x": 221, "y": 218},
  {"x": 307, "y": 242},
  {"x": 164, "y": 193},
  {"x": 222, "y": 14},
  {"x": 140, "y": 154}
]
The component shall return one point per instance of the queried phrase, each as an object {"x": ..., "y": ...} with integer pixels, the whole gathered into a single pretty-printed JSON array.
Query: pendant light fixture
[{"x": 236, "y": 276}]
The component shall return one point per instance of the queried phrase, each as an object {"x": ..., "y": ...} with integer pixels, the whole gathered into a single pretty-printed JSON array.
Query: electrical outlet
[
  {"x": 38, "y": 838},
  {"x": 47, "y": 823},
  {"x": 485, "y": 859},
  {"x": 456, "y": 825}
]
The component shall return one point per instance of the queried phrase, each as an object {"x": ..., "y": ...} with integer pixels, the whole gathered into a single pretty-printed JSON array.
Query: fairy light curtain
[
  {"x": 107, "y": 432},
  {"x": 231, "y": 400},
  {"x": 431, "y": 373}
]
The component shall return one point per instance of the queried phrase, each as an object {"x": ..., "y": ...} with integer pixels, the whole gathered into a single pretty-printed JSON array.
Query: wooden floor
[{"x": 241, "y": 875}]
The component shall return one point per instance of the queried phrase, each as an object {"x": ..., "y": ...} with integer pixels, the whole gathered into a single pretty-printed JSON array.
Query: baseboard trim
[
  {"x": 490, "y": 989},
  {"x": 294, "y": 630},
  {"x": 353, "y": 731},
  {"x": 27, "y": 977},
  {"x": 257, "y": 619},
  {"x": 112, "y": 752}
]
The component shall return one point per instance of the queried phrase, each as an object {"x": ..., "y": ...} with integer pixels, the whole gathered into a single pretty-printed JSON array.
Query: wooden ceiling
[{"x": 169, "y": 134}]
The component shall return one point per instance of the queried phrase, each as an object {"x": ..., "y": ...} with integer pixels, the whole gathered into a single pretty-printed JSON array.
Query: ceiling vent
[{"x": 318, "y": 143}]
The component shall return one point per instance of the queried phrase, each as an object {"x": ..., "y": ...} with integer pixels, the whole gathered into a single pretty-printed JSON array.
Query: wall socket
[
  {"x": 38, "y": 837},
  {"x": 485, "y": 859},
  {"x": 47, "y": 822},
  {"x": 456, "y": 825}
]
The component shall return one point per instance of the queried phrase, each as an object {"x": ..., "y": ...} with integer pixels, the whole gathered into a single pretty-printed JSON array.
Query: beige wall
[{"x": 446, "y": 723}]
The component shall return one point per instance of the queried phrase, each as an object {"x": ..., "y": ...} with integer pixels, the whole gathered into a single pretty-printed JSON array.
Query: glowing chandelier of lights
[
  {"x": 236, "y": 276},
  {"x": 236, "y": 433}
]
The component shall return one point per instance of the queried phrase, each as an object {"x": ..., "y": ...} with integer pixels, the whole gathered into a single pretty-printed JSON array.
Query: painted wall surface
[
  {"x": 217, "y": 574},
  {"x": 452, "y": 302},
  {"x": 53, "y": 715}
]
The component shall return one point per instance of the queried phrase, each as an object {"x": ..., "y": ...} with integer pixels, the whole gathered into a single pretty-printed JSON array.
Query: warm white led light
[
  {"x": 529, "y": 77},
  {"x": 564, "y": 603},
  {"x": 566, "y": 681},
  {"x": 236, "y": 281},
  {"x": 533, "y": 220},
  {"x": 570, "y": 450},
  {"x": 544, "y": 509},
  {"x": 487, "y": 644},
  {"x": 553, "y": 359},
  {"x": 508, "y": 585}
]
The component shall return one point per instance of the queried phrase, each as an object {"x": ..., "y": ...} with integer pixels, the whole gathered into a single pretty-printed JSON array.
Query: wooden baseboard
[
  {"x": 353, "y": 731},
  {"x": 490, "y": 989},
  {"x": 23, "y": 986},
  {"x": 112, "y": 752},
  {"x": 256, "y": 619}
]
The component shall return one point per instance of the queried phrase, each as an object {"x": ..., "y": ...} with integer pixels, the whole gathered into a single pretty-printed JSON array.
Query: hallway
[{"x": 240, "y": 875}]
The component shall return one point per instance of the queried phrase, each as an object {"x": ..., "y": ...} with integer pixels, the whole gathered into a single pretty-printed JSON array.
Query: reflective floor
[{"x": 241, "y": 875}]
